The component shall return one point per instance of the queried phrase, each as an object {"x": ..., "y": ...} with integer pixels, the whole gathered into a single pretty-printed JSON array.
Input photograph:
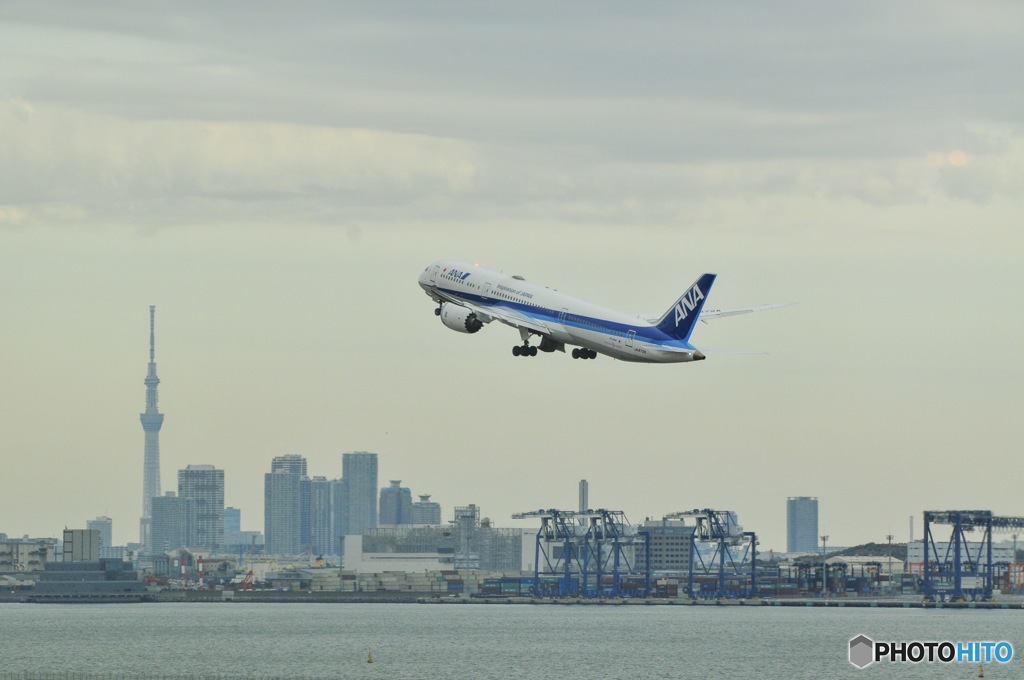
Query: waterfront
[{"x": 487, "y": 641}]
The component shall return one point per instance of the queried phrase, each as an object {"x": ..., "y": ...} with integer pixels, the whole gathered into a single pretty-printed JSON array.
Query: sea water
[{"x": 250, "y": 640}]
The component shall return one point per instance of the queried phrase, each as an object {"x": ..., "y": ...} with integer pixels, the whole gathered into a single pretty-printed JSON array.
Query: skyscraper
[
  {"x": 232, "y": 520},
  {"x": 204, "y": 485},
  {"x": 104, "y": 525},
  {"x": 172, "y": 522},
  {"x": 232, "y": 528},
  {"x": 152, "y": 420},
  {"x": 321, "y": 515},
  {"x": 801, "y": 524},
  {"x": 395, "y": 504},
  {"x": 426, "y": 511},
  {"x": 292, "y": 463},
  {"x": 281, "y": 519},
  {"x": 359, "y": 470},
  {"x": 339, "y": 503}
]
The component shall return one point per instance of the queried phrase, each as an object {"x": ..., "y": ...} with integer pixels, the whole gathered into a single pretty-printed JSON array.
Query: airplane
[{"x": 469, "y": 296}]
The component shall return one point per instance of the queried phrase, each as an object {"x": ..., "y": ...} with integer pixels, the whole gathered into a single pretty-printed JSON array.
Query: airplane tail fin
[{"x": 679, "y": 320}]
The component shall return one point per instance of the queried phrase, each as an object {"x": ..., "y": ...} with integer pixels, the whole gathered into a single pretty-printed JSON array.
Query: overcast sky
[{"x": 274, "y": 177}]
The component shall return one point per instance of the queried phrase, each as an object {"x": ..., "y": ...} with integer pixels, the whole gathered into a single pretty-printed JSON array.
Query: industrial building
[
  {"x": 102, "y": 579},
  {"x": 80, "y": 545},
  {"x": 417, "y": 548},
  {"x": 669, "y": 541},
  {"x": 26, "y": 554}
]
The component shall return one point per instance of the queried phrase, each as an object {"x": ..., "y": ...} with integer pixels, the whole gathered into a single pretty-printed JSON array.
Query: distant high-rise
[
  {"x": 395, "y": 504},
  {"x": 281, "y": 518},
  {"x": 204, "y": 485},
  {"x": 339, "y": 503},
  {"x": 801, "y": 524},
  {"x": 359, "y": 470},
  {"x": 318, "y": 491},
  {"x": 236, "y": 540},
  {"x": 172, "y": 522},
  {"x": 152, "y": 420},
  {"x": 232, "y": 520},
  {"x": 426, "y": 511},
  {"x": 104, "y": 525},
  {"x": 584, "y": 496},
  {"x": 293, "y": 463}
]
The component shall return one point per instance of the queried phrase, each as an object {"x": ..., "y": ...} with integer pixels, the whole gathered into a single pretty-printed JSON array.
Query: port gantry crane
[
  {"x": 586, "y": 553},
  {"x": 959, "y": 571},
  {"x": 718, "y": 543}
]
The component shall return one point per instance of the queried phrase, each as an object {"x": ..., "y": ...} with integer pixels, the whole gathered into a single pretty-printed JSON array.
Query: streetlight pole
[{"x": 824, "y": 567}]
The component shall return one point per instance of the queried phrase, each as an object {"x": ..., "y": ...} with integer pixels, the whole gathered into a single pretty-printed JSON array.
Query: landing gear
[
  {"x": 437, "y": 312},
  {"x": 524, "y": 351},
  {"x": 583, "y": 353}
]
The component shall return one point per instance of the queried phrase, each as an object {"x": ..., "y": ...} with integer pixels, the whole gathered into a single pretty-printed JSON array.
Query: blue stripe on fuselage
[{"x": 643, "y": 332}]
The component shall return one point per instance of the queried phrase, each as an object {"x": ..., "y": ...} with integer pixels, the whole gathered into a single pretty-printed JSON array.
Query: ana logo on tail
[{"x": 688, "y": 303}]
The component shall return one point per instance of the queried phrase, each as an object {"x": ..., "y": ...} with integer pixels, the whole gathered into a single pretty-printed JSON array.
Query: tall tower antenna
[{"x": 152, "y": 420}]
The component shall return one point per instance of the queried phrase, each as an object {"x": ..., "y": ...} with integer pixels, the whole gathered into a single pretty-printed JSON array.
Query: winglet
[{"x": 680, "y": 318}]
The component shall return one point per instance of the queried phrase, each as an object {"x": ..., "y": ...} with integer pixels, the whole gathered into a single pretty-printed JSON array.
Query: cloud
[
  {"x": 66, "y": 167},
  {"x": 952, "y": 159},
  {"x": 115, "y": 168}
]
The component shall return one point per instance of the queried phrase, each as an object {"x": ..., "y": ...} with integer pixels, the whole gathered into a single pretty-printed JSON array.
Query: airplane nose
[{"x": 698, "y": 356}]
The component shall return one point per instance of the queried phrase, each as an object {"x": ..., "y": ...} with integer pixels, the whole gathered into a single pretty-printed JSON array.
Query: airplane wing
[
  {"x": 707, "y": 314},
  {"x": 513, "y": 318},
  {"x": 502, "y": 314}
]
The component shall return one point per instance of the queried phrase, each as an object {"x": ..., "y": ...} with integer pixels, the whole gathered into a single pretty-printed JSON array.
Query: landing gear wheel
[
  {"x": 437, "y": 312},
  {"x": 516, "y": 350},
  {"x": 575, "y": 352},
  {"x": 533, "y": 351}
]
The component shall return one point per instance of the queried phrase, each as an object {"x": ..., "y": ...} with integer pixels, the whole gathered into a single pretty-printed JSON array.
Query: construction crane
[
  {"x": 718, "y": 543},
  {"x": 585, "y": 553},
  {"x": 961, "y": 571}
]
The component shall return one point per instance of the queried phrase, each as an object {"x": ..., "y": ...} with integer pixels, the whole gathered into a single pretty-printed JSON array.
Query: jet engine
[{"x": 460, "y": 319}]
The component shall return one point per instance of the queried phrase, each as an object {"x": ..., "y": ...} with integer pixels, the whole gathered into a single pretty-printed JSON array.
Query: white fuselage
[{"x": 559, "y": 318}]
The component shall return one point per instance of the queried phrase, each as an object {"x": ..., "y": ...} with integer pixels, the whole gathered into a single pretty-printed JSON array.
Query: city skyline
[{"x": 275, "y": 180}]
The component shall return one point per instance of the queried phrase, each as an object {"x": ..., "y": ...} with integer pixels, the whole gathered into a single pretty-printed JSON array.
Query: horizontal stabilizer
[
  {"x": 680, "y": 318},
  {"x": 708, "y": 314}
]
